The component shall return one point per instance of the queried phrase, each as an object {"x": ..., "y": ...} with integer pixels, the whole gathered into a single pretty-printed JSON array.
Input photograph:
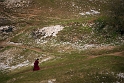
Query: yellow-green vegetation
[
  {"x": 87, "y": 50},
  {"x": 74, "y": 68}
]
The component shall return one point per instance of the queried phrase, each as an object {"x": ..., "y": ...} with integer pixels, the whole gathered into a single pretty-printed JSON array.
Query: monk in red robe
[{"x": 36, "y": 67}]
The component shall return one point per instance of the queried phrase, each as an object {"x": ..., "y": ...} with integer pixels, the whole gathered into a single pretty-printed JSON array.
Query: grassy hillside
[
  {"x": 95, "y": 67},
  {"x": 80, "y": 53}
]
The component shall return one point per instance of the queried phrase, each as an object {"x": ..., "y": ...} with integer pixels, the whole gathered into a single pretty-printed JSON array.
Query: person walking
[{"x": 36, "y": 67}]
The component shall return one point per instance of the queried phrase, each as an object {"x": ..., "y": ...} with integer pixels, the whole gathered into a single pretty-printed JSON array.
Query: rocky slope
[{"x": 45, "y": 28}]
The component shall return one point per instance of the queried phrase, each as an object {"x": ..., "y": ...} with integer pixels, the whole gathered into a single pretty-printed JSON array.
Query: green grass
[
  {"x": 89, "y": 66},
  {"x": 3, "y": 77},
  {"x": 5, "y": 48},
  {"x": 74, "y": 72},
  {"x": 75, "y": 68}
]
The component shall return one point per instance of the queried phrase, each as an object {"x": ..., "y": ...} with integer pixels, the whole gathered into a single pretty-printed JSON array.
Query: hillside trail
[
  {"x": 5, "y": 43},
  {"x": 33, "y": 13},
  {"x": 117, "y": 53},
  {"x": 121, "y": 54},
  {"x": 88, "y": 58}
]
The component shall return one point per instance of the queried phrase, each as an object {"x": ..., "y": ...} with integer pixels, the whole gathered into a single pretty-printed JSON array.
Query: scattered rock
[
  {"x": 47, "y": 31},
  {"x": 91, "y": 12},
  {"x": 16, "y": 3},
  {"x": 6, "y": 29}
]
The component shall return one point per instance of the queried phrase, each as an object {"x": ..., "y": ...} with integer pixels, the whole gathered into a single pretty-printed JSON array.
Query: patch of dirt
[
  {"x": 104, "y": 48},
  {"x": 26, "y": 15},
  {"x": 117, "y": 53}
]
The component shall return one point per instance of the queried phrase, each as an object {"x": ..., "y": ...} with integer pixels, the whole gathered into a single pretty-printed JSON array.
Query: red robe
[{"x": 36, "y": 67}]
